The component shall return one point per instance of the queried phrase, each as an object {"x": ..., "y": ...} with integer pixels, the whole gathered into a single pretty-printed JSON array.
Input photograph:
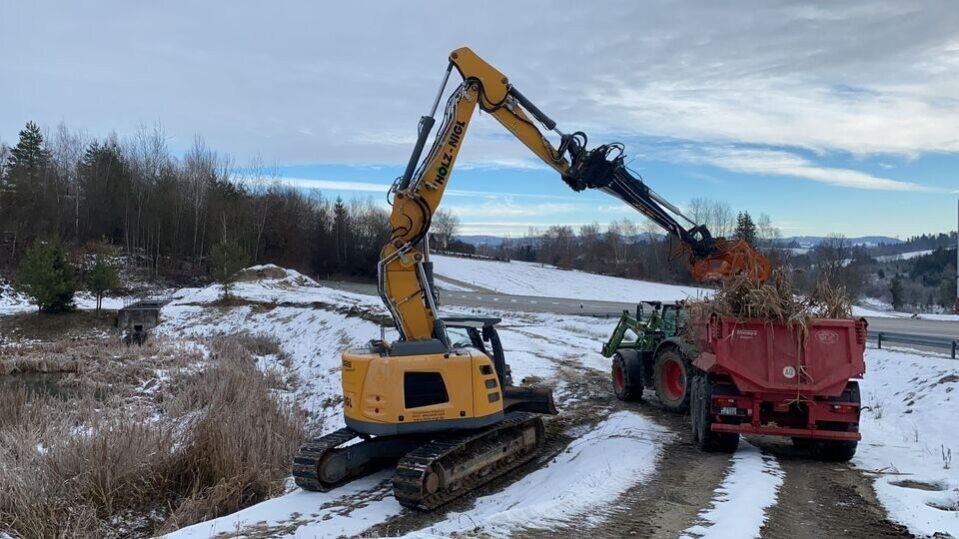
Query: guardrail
[
  {"x": 475, "y": 256},
  {"x": 952, "y": 345},
  {"x": 919, "y": 340}
]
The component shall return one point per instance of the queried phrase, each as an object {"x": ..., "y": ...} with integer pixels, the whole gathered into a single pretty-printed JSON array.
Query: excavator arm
[{"x": 404, "y": 271}]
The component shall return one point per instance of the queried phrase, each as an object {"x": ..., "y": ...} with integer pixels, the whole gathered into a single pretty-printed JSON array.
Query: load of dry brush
[{"x": 774, "y": 300}]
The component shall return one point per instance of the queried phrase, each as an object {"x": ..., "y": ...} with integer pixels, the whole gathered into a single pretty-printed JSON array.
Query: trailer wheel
[
  {"x": 833, "y": 450},
  {"x": 837, "y": 450},
  {"x": 627, "y": 374},
  {"x": 672, "y": 379},
  {"x": 702, "y": 418}
]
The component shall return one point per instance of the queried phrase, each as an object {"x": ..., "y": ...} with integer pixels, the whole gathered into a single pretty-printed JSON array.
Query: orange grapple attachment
[{"x": 732, "y": 257}]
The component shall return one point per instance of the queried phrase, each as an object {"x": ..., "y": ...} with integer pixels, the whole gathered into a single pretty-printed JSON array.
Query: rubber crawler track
[
  {"x": 307, "y": 459},
  {"x": 408, "y": 481}
]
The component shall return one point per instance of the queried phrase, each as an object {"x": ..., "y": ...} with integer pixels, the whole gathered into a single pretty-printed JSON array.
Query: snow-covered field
[
  {"x": 901, "y": 436},
  {"x": 903, "y": 256},
  {"x": 536, "y": 345},
  {"x": 875, "y": 312},
  {"x": 908, "y": 425},
  {"x": 12, "y": 302},
  {"x": 909, "y": 437},
  {"x": 531, "y": 279}
]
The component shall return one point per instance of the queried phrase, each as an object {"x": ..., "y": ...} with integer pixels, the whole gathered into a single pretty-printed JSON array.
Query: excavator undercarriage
[{"x": 430, "y": 469}]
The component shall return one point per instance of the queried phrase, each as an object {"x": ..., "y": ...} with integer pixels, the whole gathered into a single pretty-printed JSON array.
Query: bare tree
[
  {"x": 619, "y": 235},
  {"x": 444, "y": 225},
  {"x": 260, "y": 181},
  {"x": 722, "y": 222},
  {"x": 832, "y": 254},
  {"x": 67, "y": 148},
  {"x": 699, "y": 210},
  {"x": 149, "y": 156},
  {"x": 200, "y": 165},
  {"x": 765, "y": 230},
  {"x": 716, "y": 215}
]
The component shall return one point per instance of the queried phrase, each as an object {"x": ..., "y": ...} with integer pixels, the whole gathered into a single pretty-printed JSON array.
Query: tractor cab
[{"x": 665, "y": 319}]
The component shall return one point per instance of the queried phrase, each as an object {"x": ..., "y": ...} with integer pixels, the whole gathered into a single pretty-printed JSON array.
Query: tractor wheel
[
  {"x": 672, "y": 378},
  {"x": 702, "y": 418},
  {"x": 627, "y": 376}
]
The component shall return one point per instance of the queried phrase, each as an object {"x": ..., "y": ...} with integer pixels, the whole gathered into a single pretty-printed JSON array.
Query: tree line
[
  {"x": 179, "y": 218},
  {"x": 167, "y": 214},
  {"x": 636, "y": 250}
]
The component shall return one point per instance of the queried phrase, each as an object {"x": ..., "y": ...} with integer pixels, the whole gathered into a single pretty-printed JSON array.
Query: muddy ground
[{"x": 816, "y": 499}]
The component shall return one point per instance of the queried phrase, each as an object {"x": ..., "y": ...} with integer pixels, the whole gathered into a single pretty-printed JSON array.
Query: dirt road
[{"x": 816, "y": 499}]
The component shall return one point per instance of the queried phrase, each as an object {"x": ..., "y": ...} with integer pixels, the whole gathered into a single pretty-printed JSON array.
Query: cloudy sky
[{"x": 829, "y": 117}]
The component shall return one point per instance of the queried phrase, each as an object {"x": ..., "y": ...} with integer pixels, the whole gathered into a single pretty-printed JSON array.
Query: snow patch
[
  {"x": 739, "y": 508},
  {"x": 909, "y": 438},
  {"x": 903, "y": 256},
  {"x": 530, "y": 279},
  {"x": 443, "y": 284},
  {"x": 594, "y": 470},
  {"x": 307, "y": 514}
]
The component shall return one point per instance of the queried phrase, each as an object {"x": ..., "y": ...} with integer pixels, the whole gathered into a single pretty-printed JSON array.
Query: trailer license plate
[{"x": 728, "y": 410}]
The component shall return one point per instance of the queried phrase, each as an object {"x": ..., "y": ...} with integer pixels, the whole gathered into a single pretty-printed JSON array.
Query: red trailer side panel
[{"x": 771, "y": 357}]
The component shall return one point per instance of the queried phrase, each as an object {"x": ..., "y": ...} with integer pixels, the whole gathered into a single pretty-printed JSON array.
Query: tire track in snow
[
  {"x": 739, "y": 507},
  {"x": 823, "y": 499}
]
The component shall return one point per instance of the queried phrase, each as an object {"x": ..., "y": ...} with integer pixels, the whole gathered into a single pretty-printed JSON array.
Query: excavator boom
[{"x": 405, "y": 273}]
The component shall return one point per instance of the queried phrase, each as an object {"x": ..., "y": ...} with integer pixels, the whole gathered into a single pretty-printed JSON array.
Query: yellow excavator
[{"x": 438, "y": 402}]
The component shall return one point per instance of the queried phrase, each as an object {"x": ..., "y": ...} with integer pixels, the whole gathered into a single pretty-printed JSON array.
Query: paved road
[{"x": 537, "y": 304}]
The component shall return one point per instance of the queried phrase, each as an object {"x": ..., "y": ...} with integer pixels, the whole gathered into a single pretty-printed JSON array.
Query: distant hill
[
  {"x": 496, "y": 241},
  {"x": 809, "y": 242},
  {"x": 806, "y": 242}
]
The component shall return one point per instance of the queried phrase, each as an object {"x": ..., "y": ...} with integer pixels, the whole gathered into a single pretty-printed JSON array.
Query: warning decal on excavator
[{"x": 427, "y": 416}]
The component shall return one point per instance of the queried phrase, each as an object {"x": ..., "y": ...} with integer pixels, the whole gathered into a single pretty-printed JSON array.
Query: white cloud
[
  {"x": 777, "y": 111},
  {"x": 509, "y": 209},
  {"x": 780, "y": 163},
  {"x": 333, "y": 185},
  {"x": 864, "y": 77},
  {"x": 344, "y": 185},
  {"x": 617, "y": 208}
]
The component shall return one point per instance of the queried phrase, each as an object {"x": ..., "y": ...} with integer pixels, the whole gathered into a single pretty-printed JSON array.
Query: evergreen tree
[
  {"x": 947, "y": 291},
  {"x": 25, "y": 191},
  {"x": 46, "y": 276},
  {"x": 106, "y": 181},
  {"x": 226, "y": 259},
  {"x": 745, "y": 228},
  {"x": 104, "y": 275},
  {"x": 341, "y": 232},
  {"x": 897, "y": 292},
  {"x": 29, "y": 157}
]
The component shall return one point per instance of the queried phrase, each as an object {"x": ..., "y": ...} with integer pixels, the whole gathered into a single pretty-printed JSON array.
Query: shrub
[
  {"x": 226, "y": 259},
  {"x": 46, "y": 276},
  {"x": 103, "y": 274}
]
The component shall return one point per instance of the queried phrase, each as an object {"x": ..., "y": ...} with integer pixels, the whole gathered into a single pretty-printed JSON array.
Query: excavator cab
[{"x": 479, "y": 332}]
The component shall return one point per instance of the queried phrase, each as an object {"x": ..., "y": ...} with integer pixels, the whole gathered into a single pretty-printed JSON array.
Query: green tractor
[{"x": 649, "y": 351}]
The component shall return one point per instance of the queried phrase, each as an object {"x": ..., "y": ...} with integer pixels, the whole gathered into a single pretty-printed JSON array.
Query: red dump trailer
[{"x": 766, "y": 378}]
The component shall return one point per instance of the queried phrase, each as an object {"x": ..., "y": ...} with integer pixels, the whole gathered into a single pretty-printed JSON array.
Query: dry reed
[{"x": 133, "y": 462}]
